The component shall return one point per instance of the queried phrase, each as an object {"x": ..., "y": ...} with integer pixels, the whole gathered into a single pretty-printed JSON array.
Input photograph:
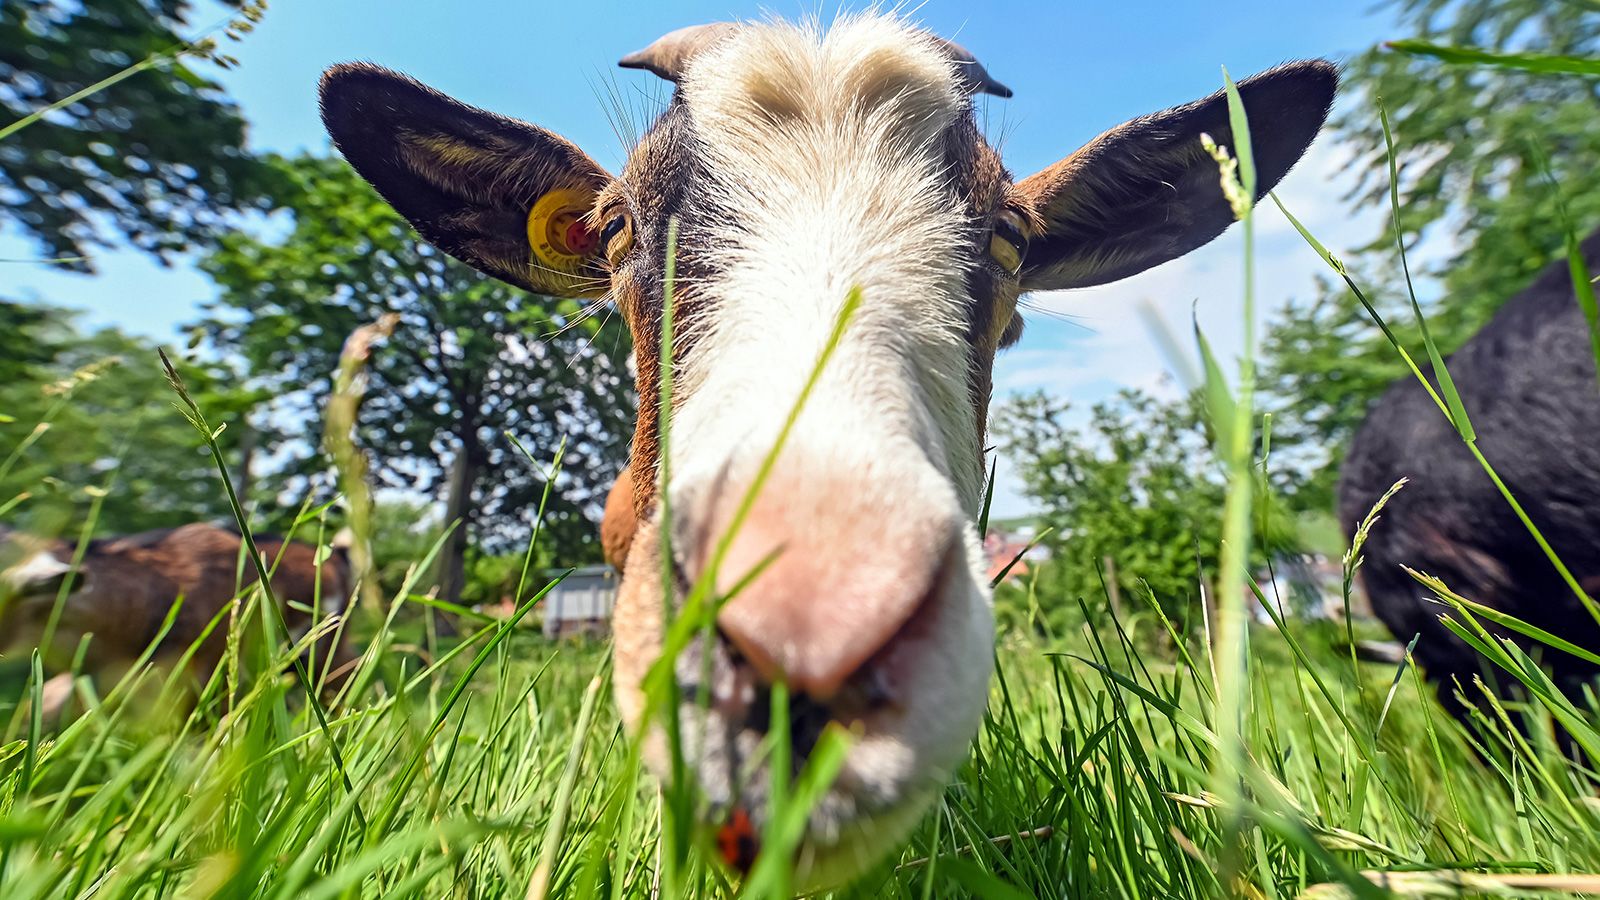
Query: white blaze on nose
[{"x": 826, "y": 173}]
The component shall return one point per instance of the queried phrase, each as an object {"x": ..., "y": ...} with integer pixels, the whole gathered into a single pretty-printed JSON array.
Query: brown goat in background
[{"x": 122, "y": 591}]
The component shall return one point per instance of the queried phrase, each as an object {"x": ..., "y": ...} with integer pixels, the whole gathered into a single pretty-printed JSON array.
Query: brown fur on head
[
  {"x": 124, "y": 588},
  {"x": 799, "y": 166}
]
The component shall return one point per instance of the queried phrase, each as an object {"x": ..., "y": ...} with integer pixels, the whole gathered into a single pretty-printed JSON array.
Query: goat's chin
[
  {"x": 819, "y": 865},
  {"x": 903, "y": 757},
  {"x": 900, "y": 759}
]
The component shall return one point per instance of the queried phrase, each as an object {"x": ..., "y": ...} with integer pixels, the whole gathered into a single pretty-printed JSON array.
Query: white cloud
[{"x": 1085, "y": 345}]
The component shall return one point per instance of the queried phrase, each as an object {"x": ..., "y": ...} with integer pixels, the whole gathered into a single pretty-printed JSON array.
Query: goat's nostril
[
  {"x": 868, "y": 691},
  {"x": 807, "y": 720}
]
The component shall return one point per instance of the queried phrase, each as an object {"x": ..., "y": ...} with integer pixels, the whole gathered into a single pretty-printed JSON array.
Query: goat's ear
[
  {"x": 1147, "y": 191},
  {"x": 502, "y": 196}
]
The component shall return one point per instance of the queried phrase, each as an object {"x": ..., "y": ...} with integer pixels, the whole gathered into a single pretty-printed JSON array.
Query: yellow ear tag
[{"x": 556, "y": 232}]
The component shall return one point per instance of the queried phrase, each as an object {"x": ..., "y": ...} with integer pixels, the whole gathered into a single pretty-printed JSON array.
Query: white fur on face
[{"x": 826, "y": 153}]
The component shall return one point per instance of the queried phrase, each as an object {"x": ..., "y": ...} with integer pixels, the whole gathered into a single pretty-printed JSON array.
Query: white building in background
[
  {"x": 581, "y": 603},
  {"x": 1309, "y": 586}
]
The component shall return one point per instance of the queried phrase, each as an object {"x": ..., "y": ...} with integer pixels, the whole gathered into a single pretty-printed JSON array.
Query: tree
[
  {"x": 91, "y": 410},
  {"x": 160, "y": 156},
  {"x": 1482, "y": 153},
  {"x": 1321, "y": 372},
  {"x": 471, "y": 360},
  {"x": 1472, "y": 143},
  {"x": 31, "y": 336},
  {"x": 1137, "y": 483}
]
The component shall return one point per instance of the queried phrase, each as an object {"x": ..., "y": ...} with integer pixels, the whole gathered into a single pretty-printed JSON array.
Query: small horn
[
  {"x": 670, "y": 53},
  {"x": 977, "y": 78}
]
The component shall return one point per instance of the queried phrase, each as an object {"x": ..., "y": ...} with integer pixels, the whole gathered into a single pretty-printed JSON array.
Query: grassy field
[
  {"x": 1261, "y": 762},
  {"x": 1117, "y": 759},
  {"x": 499, "y": 770}
]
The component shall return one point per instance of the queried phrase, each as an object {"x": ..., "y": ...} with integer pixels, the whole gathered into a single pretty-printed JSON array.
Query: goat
[
  {"x": 1527, "y": 380},
  {"x": 800, "y": 164},
  {"x": 122, "y": 591}
]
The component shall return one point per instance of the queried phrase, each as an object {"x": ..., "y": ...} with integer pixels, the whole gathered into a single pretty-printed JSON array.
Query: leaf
[
  {"x": 1221, "y": 407},
  {"x": 1527, "y": 62},
  {"x": 1447, "y": 385}
]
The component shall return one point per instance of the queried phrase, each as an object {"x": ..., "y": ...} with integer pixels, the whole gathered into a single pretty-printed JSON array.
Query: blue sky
[{"x": 1077, "y": 68}]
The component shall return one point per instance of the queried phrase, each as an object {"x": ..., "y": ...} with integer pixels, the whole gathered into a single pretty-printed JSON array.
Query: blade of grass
[
  {"x": 1582, "y": 283},
  {"x": 1542, "y": 63},
  {"x": 193, "y": 413},
  {"x": 539, "y": 882},
  {"x": 1447, "y": 385}
]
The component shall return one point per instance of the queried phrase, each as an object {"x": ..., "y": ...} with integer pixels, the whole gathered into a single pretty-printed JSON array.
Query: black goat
[{"x": 1528, "y": 382}]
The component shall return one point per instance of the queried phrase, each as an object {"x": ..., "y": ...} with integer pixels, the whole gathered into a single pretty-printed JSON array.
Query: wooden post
[{"x": 1112, "y": 590}]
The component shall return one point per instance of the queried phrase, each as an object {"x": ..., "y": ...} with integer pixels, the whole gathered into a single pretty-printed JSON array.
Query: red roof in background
[{"x": 998, "y": 552}]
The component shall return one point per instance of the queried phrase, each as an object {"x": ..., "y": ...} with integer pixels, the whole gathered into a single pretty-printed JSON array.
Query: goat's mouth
[
  {"x": 892, "y": 766},
  {"x": 879, "y": 791},
  {"x": 827, "y": 854}
]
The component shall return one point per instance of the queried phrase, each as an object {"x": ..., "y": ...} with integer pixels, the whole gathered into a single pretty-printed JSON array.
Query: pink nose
[{"x": 854, "y": 567}]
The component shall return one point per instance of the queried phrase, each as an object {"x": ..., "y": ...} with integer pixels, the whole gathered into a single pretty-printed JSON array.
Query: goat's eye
[
  {"x": 1008, "y": 242},
  {"x": 616, "y": 239}
]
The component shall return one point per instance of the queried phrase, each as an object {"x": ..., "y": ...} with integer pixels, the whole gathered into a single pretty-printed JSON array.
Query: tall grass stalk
[
  {"x": 1238, "y": 176},
  {"x": 202, "y": 47},
  {"x": 272, "y": 620}
]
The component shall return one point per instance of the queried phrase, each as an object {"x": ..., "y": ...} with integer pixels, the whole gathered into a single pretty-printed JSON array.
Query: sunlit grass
[{"x": 500, "y": 771}]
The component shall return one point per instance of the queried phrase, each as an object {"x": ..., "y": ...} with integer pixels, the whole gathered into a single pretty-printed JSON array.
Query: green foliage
[
  {"x": 1323, "y": 366},
  {"x": 1470, "y": 138},
  {"x": 31, "y": 336},
  {"x": 470, "y": 360},
  {"x": 160, "y": 156},
  {"x": 492, "y": 579},
  {"x": 403, "y": 531},
  {"x": 1481, "y": 152},
  {"x": 1137, "y": 484},
  {"x": 103, "y": 410}
]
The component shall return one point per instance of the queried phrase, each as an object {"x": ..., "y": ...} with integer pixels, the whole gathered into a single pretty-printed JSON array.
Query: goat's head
[
  {"x": 32, "y": 573},
  {"x": 800, "y": 166}
]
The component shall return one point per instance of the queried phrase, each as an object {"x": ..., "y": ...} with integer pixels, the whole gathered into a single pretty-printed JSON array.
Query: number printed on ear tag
[{"x": 556, "y": 231}]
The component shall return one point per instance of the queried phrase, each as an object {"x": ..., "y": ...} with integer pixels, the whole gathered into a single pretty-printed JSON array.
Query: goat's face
[
  {"x": 32, "y": 573},
  {"x": 799, "y": 167}
]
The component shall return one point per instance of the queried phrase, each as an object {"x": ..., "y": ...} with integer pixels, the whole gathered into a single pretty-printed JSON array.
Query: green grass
[
  {"x": 1097, "y": 754},
  {"x": 493, "y": 767}
]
